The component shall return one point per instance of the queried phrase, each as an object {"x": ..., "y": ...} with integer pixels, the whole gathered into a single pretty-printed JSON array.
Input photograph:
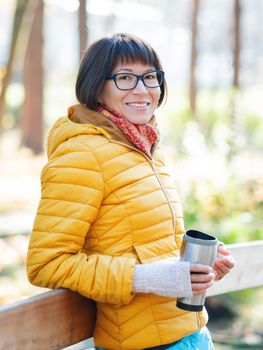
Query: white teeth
[{"x": 138, "y": 105}]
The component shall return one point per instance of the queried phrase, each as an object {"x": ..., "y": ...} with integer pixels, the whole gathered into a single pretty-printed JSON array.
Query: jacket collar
[{"x": 82, "y": 115}]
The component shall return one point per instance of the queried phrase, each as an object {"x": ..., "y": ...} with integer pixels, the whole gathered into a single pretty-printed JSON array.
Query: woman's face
[{"x": 136, "y": 105}]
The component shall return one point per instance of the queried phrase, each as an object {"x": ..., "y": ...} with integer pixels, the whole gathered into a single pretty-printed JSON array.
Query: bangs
[{"x": 132, "y": 49}]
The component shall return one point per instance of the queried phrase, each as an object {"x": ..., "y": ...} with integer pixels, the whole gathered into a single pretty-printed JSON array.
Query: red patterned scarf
[{"x": 142, "y": 136}]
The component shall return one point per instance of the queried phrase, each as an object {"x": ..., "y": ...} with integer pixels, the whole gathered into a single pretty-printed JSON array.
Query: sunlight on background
[
  {"x": 68, "y": 6},
  {"x": 215, "y": 158}
]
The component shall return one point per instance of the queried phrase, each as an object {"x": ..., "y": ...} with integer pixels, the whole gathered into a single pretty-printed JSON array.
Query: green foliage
[
  {"x": 254, "y": 130},
  {"x": 225, "y": 127},
  {"x": 232, "y": 213},
  {"x": 218, "y": 111}
]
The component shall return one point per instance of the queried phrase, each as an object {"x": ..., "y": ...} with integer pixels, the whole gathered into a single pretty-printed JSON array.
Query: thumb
[{"x": 222, "y": 249}]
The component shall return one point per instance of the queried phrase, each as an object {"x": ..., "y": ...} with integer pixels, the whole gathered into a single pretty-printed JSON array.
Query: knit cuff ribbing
[{"x": 165, "y": 278}]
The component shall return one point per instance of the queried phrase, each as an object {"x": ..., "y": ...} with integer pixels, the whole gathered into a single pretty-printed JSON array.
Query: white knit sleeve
[{"x": 166, "y": 278}]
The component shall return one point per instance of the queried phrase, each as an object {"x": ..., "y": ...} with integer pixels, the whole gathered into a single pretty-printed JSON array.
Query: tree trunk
[
  {"x": 236, "y": 138},
  {"x": 19, "y": 13},
  {"x": 32, "y": 116},
  {"x": 236, "y": 60},
  {"x": 194, "y": 30},
  {"x": 83, "y": 32},
  {"x": 24, "y": 15}
]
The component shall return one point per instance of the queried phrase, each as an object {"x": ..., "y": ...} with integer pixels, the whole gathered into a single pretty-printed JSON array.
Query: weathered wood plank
[
  {"x": 49, "y": 321},
  {"x": 248, "y": 272},
  {"x": 60, "y": 318}
]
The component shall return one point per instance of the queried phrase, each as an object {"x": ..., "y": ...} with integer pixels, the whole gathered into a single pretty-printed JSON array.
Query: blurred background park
[{"x": 212, "y": 122}]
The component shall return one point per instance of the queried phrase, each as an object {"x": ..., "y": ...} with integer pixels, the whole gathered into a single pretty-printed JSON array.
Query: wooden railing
[{"x": 59, "y": 318}]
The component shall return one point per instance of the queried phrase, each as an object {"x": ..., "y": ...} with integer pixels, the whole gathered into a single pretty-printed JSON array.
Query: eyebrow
[{"x": 131, "y": 71}]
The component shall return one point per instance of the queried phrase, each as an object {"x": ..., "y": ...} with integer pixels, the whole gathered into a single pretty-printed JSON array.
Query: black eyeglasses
[{"x": 128, "y": 81}]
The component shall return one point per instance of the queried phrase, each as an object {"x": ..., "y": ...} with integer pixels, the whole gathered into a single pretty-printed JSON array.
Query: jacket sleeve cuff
[{"x": 127, "y": 293}]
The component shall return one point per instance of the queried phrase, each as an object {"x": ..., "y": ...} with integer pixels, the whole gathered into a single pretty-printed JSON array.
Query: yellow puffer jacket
[{"x": 105, "y": 207}]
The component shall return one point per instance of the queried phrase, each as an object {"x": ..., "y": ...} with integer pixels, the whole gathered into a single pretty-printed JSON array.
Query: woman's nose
[{"x": 140, "y": 87}]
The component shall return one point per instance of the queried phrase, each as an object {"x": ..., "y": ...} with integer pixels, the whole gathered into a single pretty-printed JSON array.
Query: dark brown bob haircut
[{"x": 101, "y": 58}]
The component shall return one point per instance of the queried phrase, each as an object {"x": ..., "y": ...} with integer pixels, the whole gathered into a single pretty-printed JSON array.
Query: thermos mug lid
[{"x": 199, "y": 237}]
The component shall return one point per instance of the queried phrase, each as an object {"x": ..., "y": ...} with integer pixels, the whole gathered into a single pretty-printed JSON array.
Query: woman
[{"x": 109, "y": 224}]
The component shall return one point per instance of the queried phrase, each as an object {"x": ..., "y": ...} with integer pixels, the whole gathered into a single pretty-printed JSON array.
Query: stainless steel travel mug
[{"x": 200, "y": 248}]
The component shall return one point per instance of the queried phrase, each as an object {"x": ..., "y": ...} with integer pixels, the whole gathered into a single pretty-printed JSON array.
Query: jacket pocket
[{"x": 157, "y": 250}]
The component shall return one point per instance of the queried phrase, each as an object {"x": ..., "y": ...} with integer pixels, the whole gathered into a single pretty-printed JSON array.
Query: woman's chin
[{"x": 138, "y": 119}]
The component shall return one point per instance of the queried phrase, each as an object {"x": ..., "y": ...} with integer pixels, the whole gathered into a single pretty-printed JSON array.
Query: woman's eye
[
  {"x": 150, "y": 76},
  {"x": 124, "y": 77}
]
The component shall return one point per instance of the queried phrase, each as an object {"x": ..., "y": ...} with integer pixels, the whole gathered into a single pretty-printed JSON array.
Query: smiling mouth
[{"x": 138, "y": 105}]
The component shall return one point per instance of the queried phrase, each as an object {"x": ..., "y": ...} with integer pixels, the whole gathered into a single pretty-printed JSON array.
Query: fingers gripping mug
[{"x": 199, "y": 248}]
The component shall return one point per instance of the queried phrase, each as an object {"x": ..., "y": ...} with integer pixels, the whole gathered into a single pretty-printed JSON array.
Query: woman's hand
[
  {"x": 202, "y": 278},
  {"x": 224, "y": 262}
]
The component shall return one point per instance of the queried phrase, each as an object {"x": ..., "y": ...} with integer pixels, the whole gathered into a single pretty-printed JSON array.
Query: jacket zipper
[
  {"x": 166, "y": 196},
  {"x": 198, "y": 321},
  {"x": 164, "y": 191},
  {"x": 156, "y": 175}
]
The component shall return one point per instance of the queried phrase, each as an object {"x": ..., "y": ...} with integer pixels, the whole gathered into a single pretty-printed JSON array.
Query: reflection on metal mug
[{"x": 200, "y": 248}]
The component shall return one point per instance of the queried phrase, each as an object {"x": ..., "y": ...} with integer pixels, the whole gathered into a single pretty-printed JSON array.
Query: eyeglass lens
[{"x": 129, "y": 81}]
